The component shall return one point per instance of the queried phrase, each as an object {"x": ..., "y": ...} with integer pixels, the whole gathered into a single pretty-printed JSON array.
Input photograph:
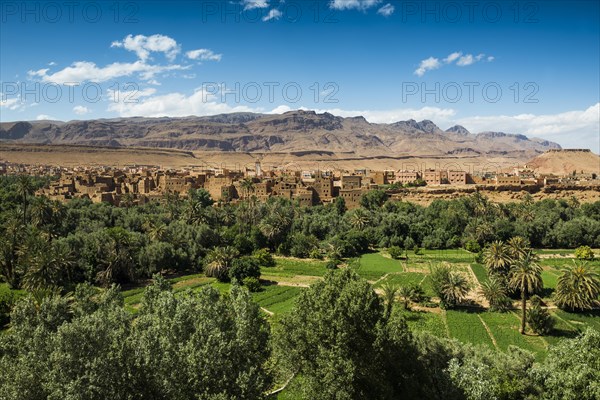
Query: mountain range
[{"x": 298, "y": 132}]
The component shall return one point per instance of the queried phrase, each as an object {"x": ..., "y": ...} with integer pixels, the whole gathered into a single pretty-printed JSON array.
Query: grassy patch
[
  {"x": 505, "y": 329},
  {"x": 426, "y": 321},
  {"x": 467, "y": 327},
  {"x": 580, "y": 321},
  {"x": 408, "y": 278},
  {"x": 290, "y": 267},
  {"x": 374, "y": 265},
  {"x": 480, "y": 272},
  {"x": 277, "y": 299}
]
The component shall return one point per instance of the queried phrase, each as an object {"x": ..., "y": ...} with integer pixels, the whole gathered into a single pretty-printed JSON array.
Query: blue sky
[{"x": 521, "y": 67}]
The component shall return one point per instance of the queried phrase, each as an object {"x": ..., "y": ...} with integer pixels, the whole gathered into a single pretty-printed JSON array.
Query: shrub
[
  {"x": 264, "y": 258},
  {"x": 539, "y": 318},
  {"x": 253, "y": 284},
  {"x": 316, "y": 254},
  {"x": 395, "y": 252},
  {"x": 584, "y": 253},
  {"x": 472, "y": 246},
  {"x": 418, "y": 251},
  {"x": 332, "y": 264},
  {"x": 244, "y": 267}
]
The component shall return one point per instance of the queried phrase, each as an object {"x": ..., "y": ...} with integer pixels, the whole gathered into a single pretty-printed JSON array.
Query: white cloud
[
  {"x": 81, "y": 110},
  {"x": 452, "y": 57},
  {"x": 273, "y": 14},
  {"x": 465, "y": 60},
  {"x": 386, "y": 10},
  {"x": 427, "y": 65},
  {"x": 84, "y": 71},
  {"x": 12, "y": 104},
  {"x": 579, "y": 128},
  {"x": 252, "y": 4},
  {"x": 51, "y": 63},
  {"x": 144, "y": 45},
  {"x": 456, "y": 58},
  {"x": 175, "y": 105},
  {"x": 203, "y": 55},
  {"x": 361, "y": 5},
  {"x": 45, "y": 117}
]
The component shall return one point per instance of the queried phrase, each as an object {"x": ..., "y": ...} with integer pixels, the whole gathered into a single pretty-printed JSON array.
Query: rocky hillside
[{"x": 294, "y": 131}]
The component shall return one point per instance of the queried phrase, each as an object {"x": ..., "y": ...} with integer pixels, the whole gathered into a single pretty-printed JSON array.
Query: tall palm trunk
[{"x": 524, "y": 311}]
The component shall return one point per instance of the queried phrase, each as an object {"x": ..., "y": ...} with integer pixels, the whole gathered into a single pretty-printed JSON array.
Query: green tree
[
  {"x": 526, "y": 277},
  {"x": 389, "y": 297},
  {"x": 577, "y": 288},
  {"x": 538, "y": 318},
  {"x": 571, "y": 369},
  {"x": 495, "y": 293},
  {"x": 584, "y": 253},
  {"x": 450, "y": 286},
  {"x": 496, "y": 257},
  {"x": 339, "y": 342},
  {"x": 218, "y": 262},
  {"x": 25, "y": 188}
]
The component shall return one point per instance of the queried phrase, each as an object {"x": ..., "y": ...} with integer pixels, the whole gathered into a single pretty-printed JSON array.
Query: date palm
[
  {"x": 495, "y": 293},
  {"x": 48, "y": 267},
  {"x": 10, "y": 242},
  {"x": 526, "y": 277},
  {"x": 497, "y": 258},
  {"x": 25, "y": 188},
  {"x": 247, "y": 186},
  {"x": 456, "y": 288},
  {"x": 578, "y": 288},
  {"x": 389, "y": 296},
  {"x": 518, "y": 247},
  {"x": 218, "y": 262},
  {"x": 359, "y": 218}
]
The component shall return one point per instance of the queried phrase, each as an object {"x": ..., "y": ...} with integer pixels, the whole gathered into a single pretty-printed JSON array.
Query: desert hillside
[
  {"x": 294, "y": 132},
  {"x": 565, "y": 162}
]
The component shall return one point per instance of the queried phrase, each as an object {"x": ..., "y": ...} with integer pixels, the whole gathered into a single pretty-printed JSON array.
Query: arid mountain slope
[
  {"x": 565, "y": 162},
  {"x": 291, "y": 132}
]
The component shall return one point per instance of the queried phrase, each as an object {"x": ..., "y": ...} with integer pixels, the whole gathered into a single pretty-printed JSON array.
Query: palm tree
[
  {"x": 247, "y": 186},
  {"x": 41, "y": 211},
  {"x": 10, "y": 242},
  {"x": 495, "y": 293},
  {"x": 497, "y": 258},
  {"x": 526, "y": 276},
  {"x": 48, "y": 267},
  {"x": 359, "y": 218},
  {"x": 577, "y": 288},
  {"x": 218, "y": 262},
  {"x": 456, "y": 288},
  {"x": 405, "y": 292},
  {"x": 518, "y": 247},
  {"x": 25, "y": 189},
  {"x": 389, "y": 295},
  {"x": 156, "y": 231}
]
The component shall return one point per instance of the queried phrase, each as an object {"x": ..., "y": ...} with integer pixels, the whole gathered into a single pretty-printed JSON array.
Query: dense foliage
[
  {"x": 45, "y": 244},
  {"x": 191, "y": 346}
]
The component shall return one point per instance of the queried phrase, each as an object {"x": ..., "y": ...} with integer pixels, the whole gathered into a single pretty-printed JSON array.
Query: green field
[
  {"x": 505, "y": 330},
  {"x": 467, "y": 327},
  {"x": 480, "y": 272},
  {"x": 373, "y": 266},
  {"x": 287, "y": 267},
  {"x": 426, "y": 321},
  {"x": 277, "y": 299}
]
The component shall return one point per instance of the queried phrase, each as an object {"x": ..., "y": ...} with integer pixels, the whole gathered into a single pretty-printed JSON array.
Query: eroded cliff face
[{"x": 294, "y": 131}]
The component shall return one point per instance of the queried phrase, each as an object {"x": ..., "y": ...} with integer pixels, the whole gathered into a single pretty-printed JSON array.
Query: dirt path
[{"x": 489, "y": 332}]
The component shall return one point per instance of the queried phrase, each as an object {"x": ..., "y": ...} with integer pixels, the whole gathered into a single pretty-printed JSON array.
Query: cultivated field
[{"x": 474, "y": 324}]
